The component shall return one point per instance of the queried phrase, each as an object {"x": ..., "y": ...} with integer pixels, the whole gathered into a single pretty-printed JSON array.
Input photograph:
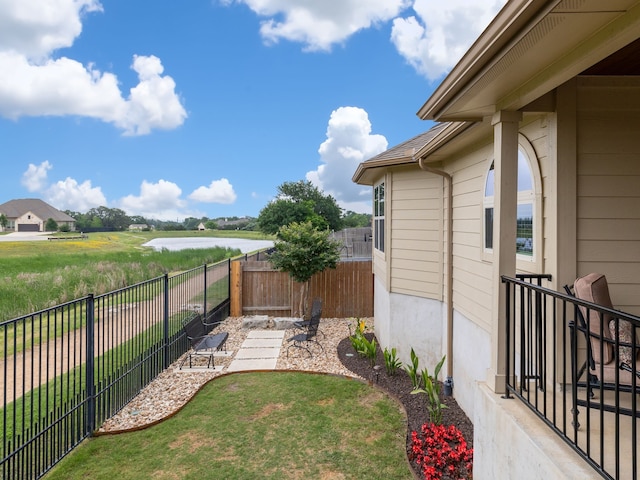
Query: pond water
[{"x": 181, "y": 243}]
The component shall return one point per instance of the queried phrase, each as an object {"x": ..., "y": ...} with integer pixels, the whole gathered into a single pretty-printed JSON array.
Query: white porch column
[{"x": 505, "y": 152}]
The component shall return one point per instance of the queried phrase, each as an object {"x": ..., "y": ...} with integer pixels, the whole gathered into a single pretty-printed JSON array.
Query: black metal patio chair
[
  {"x": 316, "y": 311},
  {"x": 306, "y": 338},
  {"x": 201, "y": 342},
  {"x": 610, "y": 362}
]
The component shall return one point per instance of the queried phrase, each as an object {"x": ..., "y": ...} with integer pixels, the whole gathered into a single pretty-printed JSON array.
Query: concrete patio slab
[
  {"x": 240, "y": 365},
  {"x": 259, "y": 351},
  {"x": 202, "y": 369},
  {"x": 223, "y": 354},
  {"x": 245, "y": 353},
  {"x": 266, "y": 334},
  {"x": 262, "y": 343}
]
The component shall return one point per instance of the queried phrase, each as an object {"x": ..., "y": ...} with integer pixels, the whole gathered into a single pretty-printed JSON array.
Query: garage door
[{"x": 28, "y": 227}]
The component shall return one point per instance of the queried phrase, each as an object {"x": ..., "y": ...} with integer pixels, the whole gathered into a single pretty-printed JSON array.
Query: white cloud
[
  {"x": 159, "y": 200},
  {"x": 70, "y": 195},
  {"x": 432, "y": 40},
  {"x": 35, "y": 28},
  {"x": 153, "y": 103},
  {"x": 35, "y": 178},
  {"x": 218, "y": 191},
  {"x": 34, "y": 83},
  {"x": 349, "y": 142},
  {"x": 320, "y": 24},
  {"x": 65, "y": 194},
  {"x": 439, "y": 34}
]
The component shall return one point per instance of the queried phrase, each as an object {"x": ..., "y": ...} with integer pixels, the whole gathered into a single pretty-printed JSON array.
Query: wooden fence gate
[{"x": 258, "y": 289}]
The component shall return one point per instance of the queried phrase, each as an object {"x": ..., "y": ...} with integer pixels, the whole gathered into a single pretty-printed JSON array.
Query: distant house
[
  {"x": 235, "y": 224},
  {"x": 31, "y": 215},
  {"x": 201, "y": 226},
  {"x": 138, "y": 227}
]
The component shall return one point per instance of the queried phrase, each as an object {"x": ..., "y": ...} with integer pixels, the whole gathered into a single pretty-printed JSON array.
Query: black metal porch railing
[
  {"x": 549, "y": 367},
  {"x": 66, "y": 369}
]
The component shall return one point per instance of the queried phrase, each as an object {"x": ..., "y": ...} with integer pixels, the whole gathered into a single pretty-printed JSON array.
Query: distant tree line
[
  {"x": 115, "y": 219},
  {"x": 295, "y": 202}
]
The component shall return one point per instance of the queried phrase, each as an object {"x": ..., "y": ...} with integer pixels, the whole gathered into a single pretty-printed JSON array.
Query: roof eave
[
  {"x": 453, "y": 130},
  {"x": 365, "y": 173},
  {"x": 513, "y": 15}
]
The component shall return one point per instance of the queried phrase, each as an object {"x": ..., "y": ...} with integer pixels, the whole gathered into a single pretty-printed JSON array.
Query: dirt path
[{"x": 24, "y": 371}]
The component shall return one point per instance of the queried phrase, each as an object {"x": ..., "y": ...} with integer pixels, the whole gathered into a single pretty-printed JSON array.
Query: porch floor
[{"x": 606, "y": 438}]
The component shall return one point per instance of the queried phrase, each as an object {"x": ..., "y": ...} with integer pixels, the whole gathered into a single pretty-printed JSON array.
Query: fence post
[
  {"x": 90, "y": 419},
  {"x": 204, "y": 306},
  {"x": 165, "y": 321},
  {"x": 235, "y": 292}
]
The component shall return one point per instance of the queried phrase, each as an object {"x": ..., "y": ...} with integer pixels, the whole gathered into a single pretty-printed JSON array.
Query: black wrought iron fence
[
  {"x": 550, "y": 367},
  {"x": 66, "y": 369}
]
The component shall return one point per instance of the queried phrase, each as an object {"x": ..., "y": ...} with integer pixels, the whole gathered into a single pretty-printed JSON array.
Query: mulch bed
[{"x": 399, "y": 385}]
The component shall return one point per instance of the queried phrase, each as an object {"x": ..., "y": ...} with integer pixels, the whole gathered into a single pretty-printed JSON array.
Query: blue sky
[{"x": 172, "y": 109}]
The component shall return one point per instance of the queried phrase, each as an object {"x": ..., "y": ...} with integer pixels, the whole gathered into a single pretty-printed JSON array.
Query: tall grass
[
  {"x": 30, "y": 285},
  {"x": 34, "y": 406}
]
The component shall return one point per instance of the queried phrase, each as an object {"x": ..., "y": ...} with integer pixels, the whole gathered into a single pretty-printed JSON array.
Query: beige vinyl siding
[
  {"x": 416, "y": 227},
  {"x": 536, "y": 131},
  {"x": 608, "y": 224},
  {"x": 471, "y": 274}
]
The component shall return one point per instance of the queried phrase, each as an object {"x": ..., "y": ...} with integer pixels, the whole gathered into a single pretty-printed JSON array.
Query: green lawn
[{"x": 280, "y": 425}]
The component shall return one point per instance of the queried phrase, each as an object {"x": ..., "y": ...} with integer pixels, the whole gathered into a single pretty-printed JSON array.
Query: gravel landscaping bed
[{"x": 174, "y": 387}]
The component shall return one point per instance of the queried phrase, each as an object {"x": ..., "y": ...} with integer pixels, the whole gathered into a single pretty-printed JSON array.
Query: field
[{"x": 39, "y": 274}]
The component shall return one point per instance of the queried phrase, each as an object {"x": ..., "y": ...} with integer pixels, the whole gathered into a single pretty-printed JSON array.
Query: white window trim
[
  {"x": 377, "y": 217},
  {"x": 524, "y": 263}
]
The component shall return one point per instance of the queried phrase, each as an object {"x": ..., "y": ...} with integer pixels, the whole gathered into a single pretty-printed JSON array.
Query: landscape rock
[
  {"x": 284, "y": 323},
  {"x": 255, "y": 321}
]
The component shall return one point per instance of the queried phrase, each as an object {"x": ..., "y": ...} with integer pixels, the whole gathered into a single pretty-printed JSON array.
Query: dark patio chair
[
  {"x": 308, "y": 337},
  {"x": 316, "y": 311},
  {"x": 610, "y": 362},
  {"x": 201, "y": 342}
]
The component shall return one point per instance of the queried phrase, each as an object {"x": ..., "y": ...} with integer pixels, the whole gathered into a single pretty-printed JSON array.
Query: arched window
[{"x": 527, "y": 208}]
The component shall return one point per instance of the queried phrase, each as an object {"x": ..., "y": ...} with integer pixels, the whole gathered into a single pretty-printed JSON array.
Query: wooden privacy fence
[{"x": 258, "y": 289}]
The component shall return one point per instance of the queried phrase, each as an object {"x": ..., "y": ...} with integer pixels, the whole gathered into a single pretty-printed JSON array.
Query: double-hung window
[{"x": 378, "y": 216}]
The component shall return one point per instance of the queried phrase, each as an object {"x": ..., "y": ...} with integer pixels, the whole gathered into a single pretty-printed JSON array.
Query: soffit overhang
[{"x": 529, "y": 49}]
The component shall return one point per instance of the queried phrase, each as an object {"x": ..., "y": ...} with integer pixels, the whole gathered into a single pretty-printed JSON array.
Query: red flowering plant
[{"x": 442, "y": 452}]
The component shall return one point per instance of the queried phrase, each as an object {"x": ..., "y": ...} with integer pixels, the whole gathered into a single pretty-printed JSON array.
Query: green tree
[
  {"x": 211, "y": 225},
  {"x": 282, "y": 212},
  {"x": 302, "y": 250},
  {"x": 355, "y": 220},
  {"x": 51, "y": 225},
  {"x": 4, "y": 221},
  {"x": 300, "y": 202}
]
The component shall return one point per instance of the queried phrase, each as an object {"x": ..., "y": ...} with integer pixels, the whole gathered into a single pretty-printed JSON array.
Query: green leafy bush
[
  {"x": 360, "y": 343},
  {"x": 412, "y": 371},
  {"x": 432, "y": 389},
  {"x": 391, "y": 361}
]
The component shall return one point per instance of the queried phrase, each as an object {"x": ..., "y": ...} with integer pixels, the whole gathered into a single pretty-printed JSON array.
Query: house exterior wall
[
  {"x": 472, "y": 267},
  {"x": 408, "y": 321},
  {"x": 416, "y": 233},
  {"x": 29, "y": 219},
  {"x": 608, "y": 204},
  {"x": 516, "y": 444},
  {"x": 410, "y": 305}
]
